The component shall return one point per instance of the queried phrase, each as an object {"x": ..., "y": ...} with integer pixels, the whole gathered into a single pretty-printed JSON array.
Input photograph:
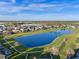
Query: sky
[{"x": 39, "y": 10}]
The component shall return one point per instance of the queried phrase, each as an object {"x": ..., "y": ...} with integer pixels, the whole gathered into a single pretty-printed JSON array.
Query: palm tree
[
  {"x": 70, "y": 52},
  {"x": 34, "y": 57},
  {"x": 54, "y": 51}
]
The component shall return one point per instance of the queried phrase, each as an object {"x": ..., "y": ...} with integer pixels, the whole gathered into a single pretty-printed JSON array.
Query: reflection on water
[{"x": 41, "y": 39}]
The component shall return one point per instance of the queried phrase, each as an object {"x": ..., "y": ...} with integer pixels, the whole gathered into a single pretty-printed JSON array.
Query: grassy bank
[
  {"x": 30, "y": 33},
  {"x": 57, "y": 43}
]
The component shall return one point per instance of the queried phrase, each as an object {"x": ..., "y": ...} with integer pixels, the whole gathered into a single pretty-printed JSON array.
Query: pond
[{"x": 41, "y": 39}]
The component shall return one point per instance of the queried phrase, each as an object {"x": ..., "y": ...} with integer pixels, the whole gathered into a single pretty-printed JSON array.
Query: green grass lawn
[{"x": 70, "y": 42}]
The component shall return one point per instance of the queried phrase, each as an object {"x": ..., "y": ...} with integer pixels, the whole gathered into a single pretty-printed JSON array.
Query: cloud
[
  {"x": 13, "y": 1},
  {"x": 8, "y": 8},
  {"x": 76, "y": 6},
  {"x": 4, "y": 4},
  {"x": 38, "y": 1},
  {"x": 37, "y": 9},
  {"x": 34, "y": 17},
  {"x": 42, "y": 5}
]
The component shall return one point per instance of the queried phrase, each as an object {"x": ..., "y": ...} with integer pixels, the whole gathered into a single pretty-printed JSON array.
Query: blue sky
[{"x": 39, "y": 10}]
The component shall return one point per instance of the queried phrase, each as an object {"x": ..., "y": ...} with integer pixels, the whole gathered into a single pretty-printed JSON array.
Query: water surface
[{"x": 41, "y": 39}]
